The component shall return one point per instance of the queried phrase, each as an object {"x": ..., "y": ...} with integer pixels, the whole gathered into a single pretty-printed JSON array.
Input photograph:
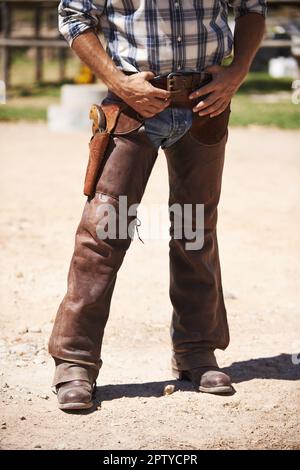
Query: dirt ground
[{"x": 259, "y": 219}]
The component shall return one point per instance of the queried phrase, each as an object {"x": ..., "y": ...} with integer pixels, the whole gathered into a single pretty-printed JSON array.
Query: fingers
[
  {"x": 152, "y": 109},
  {"x": 155, "y": 92},
  {"x": 209, "y": 88},
  {"x": 156, "y": 108},
  {"x": 149, "y": 109},
  {"x": 152, "y": 90},
  {"x": 154, "y": 105},
  {"x": 207, "y": 102},
  {"x": 220, "y": 110},
  {"x": 216, "y": 108},
  {"x": 157, "y": 104},
  {"x": 147, "y": 114},
  {"x": 160, "y": 104},
  {"x": 160, "y": 93}
]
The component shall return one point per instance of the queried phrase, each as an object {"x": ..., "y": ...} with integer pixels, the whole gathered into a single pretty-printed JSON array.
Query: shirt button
[{"x": 179, "y": 38}]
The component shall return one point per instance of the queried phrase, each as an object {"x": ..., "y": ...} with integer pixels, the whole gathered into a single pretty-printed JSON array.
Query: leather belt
[
  {"x": 180, "y": 85},
  {"x": 178, "y": 81}
]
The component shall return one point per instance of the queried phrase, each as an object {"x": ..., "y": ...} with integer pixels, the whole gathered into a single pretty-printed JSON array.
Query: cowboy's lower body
[{"x": 195, "y": 157}]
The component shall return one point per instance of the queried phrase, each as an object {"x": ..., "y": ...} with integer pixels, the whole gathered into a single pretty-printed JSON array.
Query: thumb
[{"x": 147, "y": 75}]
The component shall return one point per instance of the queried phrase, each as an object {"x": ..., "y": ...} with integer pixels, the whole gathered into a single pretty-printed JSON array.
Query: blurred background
[
  {"x": 36, "y": 62},
  {"x": 41, "y": 181}
]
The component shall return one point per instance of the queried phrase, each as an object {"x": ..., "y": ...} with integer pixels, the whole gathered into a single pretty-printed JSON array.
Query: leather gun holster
[{"x": 108, "y": 120}]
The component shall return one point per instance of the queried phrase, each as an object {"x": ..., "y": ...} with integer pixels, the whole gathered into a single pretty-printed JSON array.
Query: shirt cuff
[
  {"x": 250, "y": 7},
  {"x": 71, "y": 29}
]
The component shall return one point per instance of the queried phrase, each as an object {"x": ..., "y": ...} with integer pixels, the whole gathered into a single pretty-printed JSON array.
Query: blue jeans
[{"x": 165, "y": 128}]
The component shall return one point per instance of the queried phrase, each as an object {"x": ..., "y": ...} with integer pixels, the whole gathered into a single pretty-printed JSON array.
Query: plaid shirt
[{"x": 161, "y": 36}]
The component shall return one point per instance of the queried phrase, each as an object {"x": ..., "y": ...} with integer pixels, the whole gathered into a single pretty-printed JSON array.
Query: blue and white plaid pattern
[{"x": 158, "y": 35}]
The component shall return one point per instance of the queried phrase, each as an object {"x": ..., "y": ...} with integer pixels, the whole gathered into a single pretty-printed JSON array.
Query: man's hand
[
  {"x": 248, "y": 33},
  {"x": 225, "y": 82},
  {"x": 134, "y": 89},
  {"x": 138, "y": 93}
]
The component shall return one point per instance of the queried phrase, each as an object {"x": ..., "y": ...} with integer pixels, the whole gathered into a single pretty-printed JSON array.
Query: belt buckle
[{"x": 171, "y": 81}]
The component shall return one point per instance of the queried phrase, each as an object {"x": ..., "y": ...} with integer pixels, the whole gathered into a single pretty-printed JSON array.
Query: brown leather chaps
[{"x": 199, "y": 324}]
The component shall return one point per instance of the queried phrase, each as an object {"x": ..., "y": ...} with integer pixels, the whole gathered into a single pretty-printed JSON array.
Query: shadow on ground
[{"x": 277, "y": 368}]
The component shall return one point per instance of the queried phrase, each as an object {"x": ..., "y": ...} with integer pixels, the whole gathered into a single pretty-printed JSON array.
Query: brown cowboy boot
[
  {"x": 75, "y": 395},
  {"x": 74, "y": 385},
  {"x": 207, "y": 379}
]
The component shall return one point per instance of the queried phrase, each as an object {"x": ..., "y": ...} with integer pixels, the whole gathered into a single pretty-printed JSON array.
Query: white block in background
[
  {"x": 82, "y": 95},
  {"x": 295, "y": 47},
  {"x": 280, "y": 67},
  {"x": 2, "y": 92},
  {"x": 73, "y": 112},
  {"x": 63, "y": 118}
]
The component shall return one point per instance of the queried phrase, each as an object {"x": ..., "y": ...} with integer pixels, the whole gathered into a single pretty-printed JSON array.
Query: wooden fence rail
[{"x": 37, "y": 41}]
